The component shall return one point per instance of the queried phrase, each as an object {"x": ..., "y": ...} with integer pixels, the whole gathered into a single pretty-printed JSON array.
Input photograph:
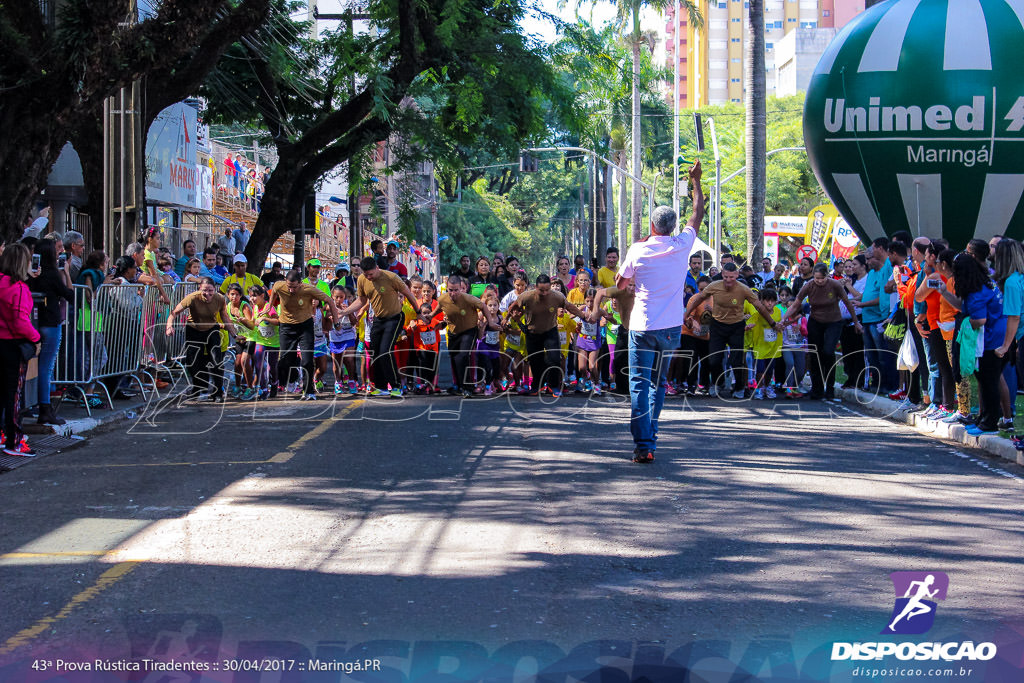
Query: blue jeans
[
  {"x": 49, "y": 338},
  {"x": 649, "y": 359},
  {"x": 878, "y": 355}
]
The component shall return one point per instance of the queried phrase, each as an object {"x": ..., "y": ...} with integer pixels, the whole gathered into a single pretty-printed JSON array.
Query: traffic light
[{"x": 528, "y": 163}]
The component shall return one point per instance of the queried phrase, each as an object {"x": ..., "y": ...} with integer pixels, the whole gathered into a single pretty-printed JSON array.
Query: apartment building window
[
  {"x": 791, "y": 20},
  {"x": 769, "y": 46},
  {"x": 734, "y": 80},
  {"x": 809, "y": 24},
  {"x": 826, "y": 13},
  {"x": 736, "y": 60},
  {"x": 735, "y": 100},
  {"x": 735, "y": 40},
  {"x": 778, "y": 24},
  {"x": 735, "y": 20}
]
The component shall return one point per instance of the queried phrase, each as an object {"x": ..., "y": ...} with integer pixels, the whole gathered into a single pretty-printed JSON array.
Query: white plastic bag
[{"x": 907, "y": 358}]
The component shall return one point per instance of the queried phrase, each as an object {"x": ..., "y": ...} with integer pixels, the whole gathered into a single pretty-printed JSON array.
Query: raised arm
[
  {"x": 695, "y": 301},
  {"x": 575, "y": 311},
  {"x": 698, "y": 198}
]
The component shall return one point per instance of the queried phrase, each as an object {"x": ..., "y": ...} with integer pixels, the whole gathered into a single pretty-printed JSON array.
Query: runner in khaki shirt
[
  {"x": 543, "y": 347},
  {"x": 728, "y": 325},
  {"x": 202, "y": 338},
  {"x": 460, "y": 310},
  {"x": 295, "y": 303},
  {"x": 384, "y": 291}
]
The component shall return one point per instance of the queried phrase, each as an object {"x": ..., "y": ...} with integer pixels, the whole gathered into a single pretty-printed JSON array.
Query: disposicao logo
[
  {"x": 913, "y": 613},
  {"x": 916, "y": 595}
]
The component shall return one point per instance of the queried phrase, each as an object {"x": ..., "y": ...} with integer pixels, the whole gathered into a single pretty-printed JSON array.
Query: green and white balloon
[{"x": 914, "y": 119}]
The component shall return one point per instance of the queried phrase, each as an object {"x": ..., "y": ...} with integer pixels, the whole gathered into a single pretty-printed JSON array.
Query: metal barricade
[
  {"x": 73, "y": 367},
  {"x": 176, "y": 342},
  {"x": 117, "y": 313}
]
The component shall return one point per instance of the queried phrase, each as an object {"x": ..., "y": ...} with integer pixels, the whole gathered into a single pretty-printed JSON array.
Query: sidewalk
[{"x": 883, "y": 407}]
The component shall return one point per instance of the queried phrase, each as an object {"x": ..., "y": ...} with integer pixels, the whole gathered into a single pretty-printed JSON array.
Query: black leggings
[
  {"x": 12, "y": 385},
  {"x": 695, "y": 366},
  {"x": 731, "y": 335},
  {"x": 203, "y": 358},
  {"x": 383, "y": 336},
  {"x": 544, "y": 351},
  {"x": 297, "y": 337},
  {"x": 461, "y": 346}
]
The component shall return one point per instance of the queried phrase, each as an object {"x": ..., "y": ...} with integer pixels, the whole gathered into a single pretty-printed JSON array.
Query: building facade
[{"x": 712, "y": 59}]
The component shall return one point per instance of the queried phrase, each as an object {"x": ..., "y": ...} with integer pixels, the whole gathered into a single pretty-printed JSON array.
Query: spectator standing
[
  {"x": 17, "y": 343},
  {"x": 188, "y": 250},
  {"x": 226, "y": 242},
  {"x": 74, "y": 243}
]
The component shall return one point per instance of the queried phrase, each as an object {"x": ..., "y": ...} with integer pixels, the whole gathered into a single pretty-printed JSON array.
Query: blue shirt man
[{"x": 206, "y": 268}]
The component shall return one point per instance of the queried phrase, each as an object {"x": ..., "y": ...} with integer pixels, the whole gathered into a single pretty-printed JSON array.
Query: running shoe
[
  {"x": 467, "y": 394},
  {"x": 395, "y": 393},
  {"x": 758, "y": 394},
  {"x": 338, "y": 389},
  {"x": 504, "y": 384},
  {"x": 794, "y": 394},
  {"x": 1005, "y": 424},
  {"x": 526, "y": 391},
  {"x": 966, "y": 419},
  {"x": 274, "y": 390},
  {"x": 557, "y": 393},
  {"x": 597, "y": 390},
  {"x": 670, "y": 390},
  {"x": 769, "y": 393},
  {"x": 975, "y": 430},
  {"x": 739, "y": 394},
  {"x": 897, "y": 395},
  {"x": 309, "y": 397},
  {"x": 488, "y": 390},
  {"x": 352, "y": 389},
  {"x": 376, "y": 392},
  {"x": 236, "y": 392},
  {"x": 263, "y": 395},
  {"x": 643, "y": 457},
  {"x": 319, "y": 385},
  {"x": 22, "y": 449},
  {"x": 248, "y": 395}
]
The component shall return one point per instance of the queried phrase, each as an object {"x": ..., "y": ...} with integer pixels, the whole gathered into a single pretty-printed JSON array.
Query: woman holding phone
[{"x": 53, "y": 286}]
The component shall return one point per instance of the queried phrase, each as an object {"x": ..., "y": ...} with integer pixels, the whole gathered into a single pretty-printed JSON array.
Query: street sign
[{"x": 807, "y": 251}]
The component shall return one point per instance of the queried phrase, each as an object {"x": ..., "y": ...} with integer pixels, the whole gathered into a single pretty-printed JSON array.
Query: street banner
[
  {"x": 819, "y": 225},
  {"x": 844, "y": 240}
]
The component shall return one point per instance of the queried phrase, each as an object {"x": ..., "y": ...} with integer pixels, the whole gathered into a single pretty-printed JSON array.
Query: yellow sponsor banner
[{"x": 819, "y": 225}]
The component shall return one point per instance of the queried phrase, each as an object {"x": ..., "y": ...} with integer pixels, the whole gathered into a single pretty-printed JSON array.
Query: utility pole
[
  {"x": 433, "y": 220},
  {"x": 675, "y": 118}
]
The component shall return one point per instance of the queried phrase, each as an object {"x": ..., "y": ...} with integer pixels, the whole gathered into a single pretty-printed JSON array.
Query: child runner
[
  {"x": 240, "y": 312},
  {"x": 267, "y": 338},
  {"x": 767, "y": 345},
  {"x": 588, "y": 343},
  {"x": 321, "y": 351},
  {"x": 794, "y": 349},
  {"x": 426, "y": 344},
  {"x": 342, "y": 344},
  {"x": 488, "y": 345}
]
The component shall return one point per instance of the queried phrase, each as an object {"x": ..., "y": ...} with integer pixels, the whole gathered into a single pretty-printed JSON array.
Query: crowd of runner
[
  {"x": 772, "y": 333},
  {"x": 909, "y": 318}
]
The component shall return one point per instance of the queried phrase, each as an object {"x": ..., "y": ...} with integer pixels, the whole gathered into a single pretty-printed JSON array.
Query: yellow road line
[
  {"x": 284, "y": 456},
  {"x": 69, "y": 553},
  {"x": 106, "y": 580},
  {"x": 120, "y": 570}
]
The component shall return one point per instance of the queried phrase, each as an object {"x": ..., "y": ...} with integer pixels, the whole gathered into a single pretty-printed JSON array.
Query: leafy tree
[
  {"x": 55, "y": 73},
  {"x": 325, "y": 101}
]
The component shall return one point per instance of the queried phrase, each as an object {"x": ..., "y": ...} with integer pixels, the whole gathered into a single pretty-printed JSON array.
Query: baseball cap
[
  {"x": 394, "y": 242},
  {"x": 313, "y": 262},
  {"x": 239, "y": 258},
  {"x": 340, "y": 267}
]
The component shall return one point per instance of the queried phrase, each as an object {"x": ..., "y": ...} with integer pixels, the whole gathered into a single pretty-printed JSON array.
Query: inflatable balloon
[{"x": 914, "y": 119}]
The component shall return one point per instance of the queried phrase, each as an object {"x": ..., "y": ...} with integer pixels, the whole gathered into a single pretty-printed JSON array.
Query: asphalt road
[{"x": 462, "y": 537}]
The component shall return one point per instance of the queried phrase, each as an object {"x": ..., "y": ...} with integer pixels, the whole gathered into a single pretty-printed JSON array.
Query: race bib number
[
  {"x": 514, "y": 340},
  {"x": 346, "y": 323},
  {"x": 590, "y": 330},
  {"x": 770, "y": 335},
  {"x": 265, "y": 330},
  {"x": 491, "y": 337},
  {"x": 366, "y": 332},
  {"x": 563, "y": 339},
  {"x": 428, "y": 338}
]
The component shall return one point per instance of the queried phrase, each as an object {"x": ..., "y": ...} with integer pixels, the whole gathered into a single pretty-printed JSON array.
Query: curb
[{"x": 879, "y": 405}]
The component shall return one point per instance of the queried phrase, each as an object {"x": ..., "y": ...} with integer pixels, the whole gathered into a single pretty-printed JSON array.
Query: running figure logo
[{"x": 916, "y": 593}]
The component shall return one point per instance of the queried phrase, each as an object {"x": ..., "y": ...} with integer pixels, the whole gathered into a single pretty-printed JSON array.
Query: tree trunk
[
  {"x": 281, "y": 208},
  {"x": 635, "y": 137},
  {"x": 600, "y": 224},
  {"x": 755, "y": 101},
  {"x": 623, "y": 213}
]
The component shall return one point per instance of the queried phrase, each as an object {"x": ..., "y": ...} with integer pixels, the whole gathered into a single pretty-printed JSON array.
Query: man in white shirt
[{"x": 655, "y": 266}]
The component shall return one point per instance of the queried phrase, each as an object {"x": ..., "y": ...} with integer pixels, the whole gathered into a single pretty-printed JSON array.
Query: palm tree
[
  {"x": 628, "y": 18},
  {"x": 757, "y": 123}
]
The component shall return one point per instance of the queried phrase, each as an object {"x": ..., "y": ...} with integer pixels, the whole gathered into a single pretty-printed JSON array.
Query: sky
[{"x": 599, "y": 12}]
